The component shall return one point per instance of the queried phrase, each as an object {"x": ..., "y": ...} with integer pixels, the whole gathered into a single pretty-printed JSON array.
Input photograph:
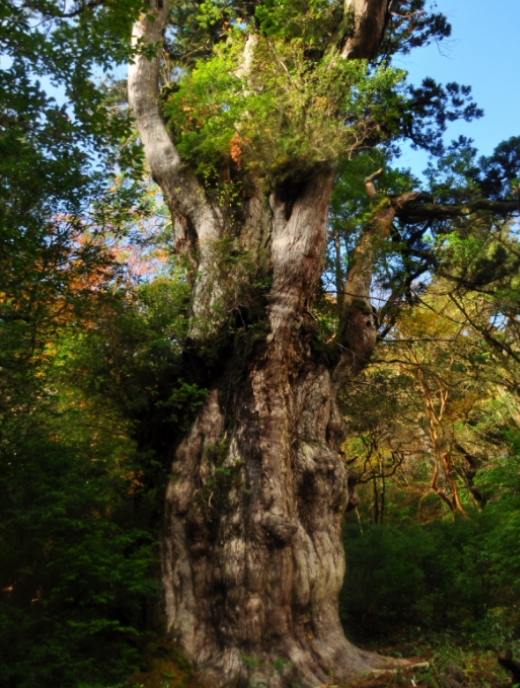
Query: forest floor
[{"x": 450, "y": 664}]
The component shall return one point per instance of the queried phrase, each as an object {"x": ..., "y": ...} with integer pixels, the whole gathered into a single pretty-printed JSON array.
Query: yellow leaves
[
  {"x": 432, "y": 320},
  {"x": 321, "y": 103},
  {"x": 459, "y": 408}
]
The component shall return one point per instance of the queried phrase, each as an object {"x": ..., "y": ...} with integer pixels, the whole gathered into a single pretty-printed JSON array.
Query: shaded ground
[
  {"x": 451, "y": 665},
  {"x": 163, "y": 666}
]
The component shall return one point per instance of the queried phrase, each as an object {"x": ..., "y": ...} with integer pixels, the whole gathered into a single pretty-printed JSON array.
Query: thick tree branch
[
  {"x": 197, "y": 223},
  {"x": 359, "y": 275},
  {"x": 365, "y": 22},
  {"x": 417, "y": 211},
  {"x": 370, "y": 187},
  {"x": 192, "y": 214},
  {"x": 357, "y": 330}
]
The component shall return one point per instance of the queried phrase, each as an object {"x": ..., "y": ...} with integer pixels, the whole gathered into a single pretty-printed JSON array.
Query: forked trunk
[
  {"x": 253, "y": 560},
  {"x": 252, "y": 554}
]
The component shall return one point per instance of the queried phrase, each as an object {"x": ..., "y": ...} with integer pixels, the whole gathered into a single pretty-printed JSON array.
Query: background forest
[{"x": 95, "y": 387}]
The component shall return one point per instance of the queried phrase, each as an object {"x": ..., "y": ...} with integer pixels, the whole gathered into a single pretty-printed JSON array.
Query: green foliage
[
  {"x": 82, "y": 455},
  {"x": 313, "y": 22},
  {"x": 320, "y": 25},
  {"x": 97, "y": 382},
  {"x": 77, "y": 568},
  {"x": 292, "y": 116},
  {"x": 56, "y": 161},
  {"x": 80, "y": 362},
  {"x": 431, "y": 576},
  {"x": 135, "y": 345},
  {"x": 460, "y": 574},
  {"x": 439, "y": 395}
]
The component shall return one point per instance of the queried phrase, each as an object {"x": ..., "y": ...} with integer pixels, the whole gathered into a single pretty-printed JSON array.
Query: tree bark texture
[
  {"x": 364, "y": 25},
  {"x": 252, "y": 556}
]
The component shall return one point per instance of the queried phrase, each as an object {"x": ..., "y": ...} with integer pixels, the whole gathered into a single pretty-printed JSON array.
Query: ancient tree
[{"x": 248, "y": 113}]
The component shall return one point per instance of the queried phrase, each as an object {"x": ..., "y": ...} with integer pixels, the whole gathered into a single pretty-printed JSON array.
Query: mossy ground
[
  {"x": 479, "y": 666},
  {"x": 164, "y": 666}
]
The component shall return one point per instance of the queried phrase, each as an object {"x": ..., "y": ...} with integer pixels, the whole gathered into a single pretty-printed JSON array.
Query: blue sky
[{"x": 483, "y": 52}]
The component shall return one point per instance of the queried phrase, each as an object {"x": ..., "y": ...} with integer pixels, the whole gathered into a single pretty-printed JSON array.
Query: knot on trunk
[{"x": 280, "y": 528}]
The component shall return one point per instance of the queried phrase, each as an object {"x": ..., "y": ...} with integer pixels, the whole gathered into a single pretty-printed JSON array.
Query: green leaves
[
  {"x": 58, "y": 141},
  {"x": 284, "y": 118},
  {"x": 77, "y": 566},
  {"x": 77, "y": 518},
  {"x": 445, "y": 576},
  {"x": 313, "y": 22},
  {"x": 83, "y": 444}
]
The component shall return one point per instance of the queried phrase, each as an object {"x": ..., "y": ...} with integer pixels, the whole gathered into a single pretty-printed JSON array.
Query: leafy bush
[
  {"x": 81, "y": 477},
  {"x": 461, "y": 574},
  {"x": 290, "y": 109},
  {"x": 77, "y": 569}
]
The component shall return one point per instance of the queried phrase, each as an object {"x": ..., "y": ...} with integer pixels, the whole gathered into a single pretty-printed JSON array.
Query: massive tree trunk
[
  {"x": 252, "y": 554},
  {"x": 252, "y": 559}
]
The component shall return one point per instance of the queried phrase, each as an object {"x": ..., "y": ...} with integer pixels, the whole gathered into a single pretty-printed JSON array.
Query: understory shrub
[{"x": 461, "y": 574}]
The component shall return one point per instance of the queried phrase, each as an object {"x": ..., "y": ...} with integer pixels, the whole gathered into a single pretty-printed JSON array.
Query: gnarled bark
[{"x": 252, "y": 555}]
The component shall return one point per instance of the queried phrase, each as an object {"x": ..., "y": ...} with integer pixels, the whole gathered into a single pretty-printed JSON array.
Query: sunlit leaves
[{"x": 286, "y": 117}]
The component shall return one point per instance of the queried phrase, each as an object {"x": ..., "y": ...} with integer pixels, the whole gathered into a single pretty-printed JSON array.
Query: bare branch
[
  {"x": 417, "y": 211},
  {"x": 193, "y": 214},
  {"x": 370, "y": 187}
]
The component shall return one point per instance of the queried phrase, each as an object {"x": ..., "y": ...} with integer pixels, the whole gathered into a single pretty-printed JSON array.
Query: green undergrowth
[
  {"x": 460, "y": 575},
  {"x": 163, "y": 666},
  {"x": 445, "y": 591},
  {"x": 440, "y": 650}
]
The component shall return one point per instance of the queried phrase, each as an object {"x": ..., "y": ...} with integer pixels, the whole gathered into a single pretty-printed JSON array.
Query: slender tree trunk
[{"x": 252, "y": 556}]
